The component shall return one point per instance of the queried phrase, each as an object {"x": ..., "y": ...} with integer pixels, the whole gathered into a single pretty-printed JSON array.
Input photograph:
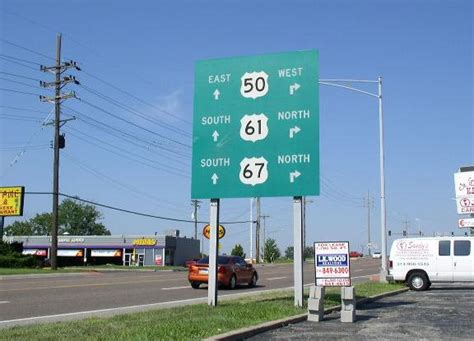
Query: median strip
[{"x": 235, "y": 312}]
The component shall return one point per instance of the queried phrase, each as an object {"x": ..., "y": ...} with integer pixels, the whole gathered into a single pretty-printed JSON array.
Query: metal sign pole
[
  {"x": 213, "y": 252},
  {"x": 298, "y": 250}
]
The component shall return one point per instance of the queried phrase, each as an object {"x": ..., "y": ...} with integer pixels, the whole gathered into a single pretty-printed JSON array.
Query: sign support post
[
  {"x": 213, "y": 252},
  {"x": 298, "y": 250}
]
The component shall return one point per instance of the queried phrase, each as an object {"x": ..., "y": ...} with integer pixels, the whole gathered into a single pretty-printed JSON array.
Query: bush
[
  {"x": 14, "y": 261},
  {"x": 10, "y": 248}
]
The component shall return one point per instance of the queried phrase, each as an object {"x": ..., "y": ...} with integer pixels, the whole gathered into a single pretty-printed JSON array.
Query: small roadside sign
[
  {"x": 468, "y": 222},
  {"x": 332, "y": 264},
  {"x": 206, "y": 231},
  {"x": 11, "y": 201}
]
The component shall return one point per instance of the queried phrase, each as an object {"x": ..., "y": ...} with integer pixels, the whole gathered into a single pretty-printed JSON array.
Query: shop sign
[
  {"x": 70, "y": 253},
  {"x": 158, "y": 260},
  {"x": 70, "y": 240},
  {"x": 11, "y": 201},
  {"x": 206, "y": 231},
  {"x": 35, "y": 252},
  {"x": 144, "y": 242},
  {"x": 106, "y": 253}
]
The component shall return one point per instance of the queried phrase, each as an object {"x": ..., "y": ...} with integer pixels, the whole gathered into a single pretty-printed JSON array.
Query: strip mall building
[{"x": 120, "y": 250}]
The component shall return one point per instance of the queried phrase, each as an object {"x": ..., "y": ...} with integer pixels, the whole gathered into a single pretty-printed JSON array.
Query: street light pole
[{"x": 379, "y": 96}]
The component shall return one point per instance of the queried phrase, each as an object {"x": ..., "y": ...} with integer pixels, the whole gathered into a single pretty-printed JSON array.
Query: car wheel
[
  {"x": 418, "y": 281},
  {"x": 195, "y": 285},
  {"x": 253, "y": 281},
  {"x": 232, "y": 282}
]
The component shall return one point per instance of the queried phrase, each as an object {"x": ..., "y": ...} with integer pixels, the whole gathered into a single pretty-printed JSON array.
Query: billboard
[
  {"x": 464, "y": 187},
  {"x": 70, "y": 253},
  {"x": 332, "y": 264},
  {"x": 106, "y": 253}
]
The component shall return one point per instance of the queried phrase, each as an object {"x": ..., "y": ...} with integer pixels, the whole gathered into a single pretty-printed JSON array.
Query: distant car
[
  {"x": 355, "y": 254},
  {"x": 377, "y": 254},
  {"x": 231, "y": 271}
]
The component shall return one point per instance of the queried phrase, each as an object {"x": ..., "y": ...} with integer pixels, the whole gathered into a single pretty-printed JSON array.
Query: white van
[{"x": 422, "y": 261}]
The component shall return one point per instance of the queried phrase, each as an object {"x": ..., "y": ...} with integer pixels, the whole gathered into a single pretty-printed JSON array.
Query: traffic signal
[
  {"x": 404, "y": 233},
  {"x": 62, "y": 142}
]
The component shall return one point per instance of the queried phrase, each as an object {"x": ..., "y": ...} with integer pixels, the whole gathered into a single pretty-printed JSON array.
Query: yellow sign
[
  {"x": 206, "y": 231},
  {"x": 144, "y": 242},
  {"x": 11, "y": 201}
]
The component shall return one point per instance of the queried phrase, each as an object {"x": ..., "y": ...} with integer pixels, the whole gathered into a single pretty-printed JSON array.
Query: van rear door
[
  {"x": 444, "y": 263},
  {"x": 462, "y": 260}
]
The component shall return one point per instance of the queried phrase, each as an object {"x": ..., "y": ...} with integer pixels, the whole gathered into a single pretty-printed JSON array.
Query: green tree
[
  {"x": 74, "y": 218},
  {"x": 270, "y": 251},
  {"x": 238, "y": 250},
  {"x": 308, "y": 252},
  {"x": 289, "y": 252}
]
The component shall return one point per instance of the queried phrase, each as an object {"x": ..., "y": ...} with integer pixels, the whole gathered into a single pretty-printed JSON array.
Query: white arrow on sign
[
  {"x": 215, "y": 135},
  {"x": 216, "y": 94},
  {"x": 294, "y": 131},
  {"x": 214, "y": 178},
  {"x": 294, "y": 88},
  {"x": 294, "y": 175}
]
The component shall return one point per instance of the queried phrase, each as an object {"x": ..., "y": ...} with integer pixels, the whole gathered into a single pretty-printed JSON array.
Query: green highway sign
[{"x": 256, "y": 126}]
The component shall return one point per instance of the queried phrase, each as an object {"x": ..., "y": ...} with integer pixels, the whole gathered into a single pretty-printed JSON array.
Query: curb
[{"x": 243, "y": 333}]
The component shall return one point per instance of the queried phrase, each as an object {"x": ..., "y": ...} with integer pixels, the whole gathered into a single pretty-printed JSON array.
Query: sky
[{"x": 137, "y": 94}]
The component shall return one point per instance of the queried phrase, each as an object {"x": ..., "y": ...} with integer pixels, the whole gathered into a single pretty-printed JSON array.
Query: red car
[
  {"x": 231, "y": 271},
  {"x": 355, "y": 254}
]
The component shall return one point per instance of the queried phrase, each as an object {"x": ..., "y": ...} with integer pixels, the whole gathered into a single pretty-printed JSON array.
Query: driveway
[{"x": 443, "y": 312}]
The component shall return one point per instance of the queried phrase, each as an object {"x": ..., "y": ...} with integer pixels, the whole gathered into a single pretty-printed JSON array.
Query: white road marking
[
  {"x": 3, "y": 302},
  {"x": 176, "y": 288},
  {"x": 275, "y": 278},
  {"x": 136, "y": 308}
]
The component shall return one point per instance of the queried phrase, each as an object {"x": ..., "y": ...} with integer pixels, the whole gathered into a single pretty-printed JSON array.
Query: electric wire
[
  {"x": 20, "y": 76},
  {"x": 132, "y": 212},
  {"x": 20, "y": 64},
  {"x": 129, "y": 189},
  {"x": 135, "y": 97},
  {"x": 23, "y": 84},
  {"x": 23, "y": 109},
  {"x": 135, "y": 112},
  {"x": 134, "y": 124},
  {"x": 26, "y": 49},
  {"x": 20, "y": 92},
  {"x": 19, "y": 59},
  {"x": 130, "y": 138},
  {"x": 157, "y": 167}
]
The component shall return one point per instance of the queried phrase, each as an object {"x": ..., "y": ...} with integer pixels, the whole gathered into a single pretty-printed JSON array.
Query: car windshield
[{"x": 220, "y": 260}]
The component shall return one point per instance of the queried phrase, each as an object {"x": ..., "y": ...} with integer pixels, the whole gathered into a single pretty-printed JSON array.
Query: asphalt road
[
  {"x": 29, "y": 299},
  {"x": 442, "y": 313}
]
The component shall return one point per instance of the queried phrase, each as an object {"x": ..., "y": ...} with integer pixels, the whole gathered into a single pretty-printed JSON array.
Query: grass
[
  {"x": 72, "y": 269},
  {"x": 184, "y": 323}
]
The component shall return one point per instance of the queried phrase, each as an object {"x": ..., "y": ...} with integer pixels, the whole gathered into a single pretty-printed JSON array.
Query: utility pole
[
  {"x": 257, "y": 233},
  {"x": 196, "y": 205},
  {"x": 2, "y": 224},
  {"x": 406, "y": 222},
  {"x": 264, "y": 233},
  {"x": 59, "y": 141},
  {"x": 369, "y": 203}
]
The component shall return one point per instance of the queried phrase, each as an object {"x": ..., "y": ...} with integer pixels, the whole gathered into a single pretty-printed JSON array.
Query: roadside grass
[
  {"x": 192, "y": 322},
  {"x": 72, "y": 269}
]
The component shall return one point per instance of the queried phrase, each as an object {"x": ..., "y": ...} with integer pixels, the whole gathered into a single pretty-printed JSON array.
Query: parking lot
[{"x": 443, "y": 312}]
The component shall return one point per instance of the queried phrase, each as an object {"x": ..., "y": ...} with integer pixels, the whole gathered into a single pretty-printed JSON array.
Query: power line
[
  {"x": 26, "y": 49},
  {"x": 136, "y": 98},
  {"x": 20, "y": 92},
  {"x": 134, "y": 124},
  {"x": 20, "y": 76},
  {"x": 166, "y": 168},
  {"x": 127, "y": 136},
  {"x": 120, "y": 184},
  {"x": 22, "y": 109},
  {"x": 135, "y": 112},
  {"x": 133, "y": 212},
  {"x": 21, "y": 83},
  {"x": 19, "y": 63},
  {"x": 19, "y": 59}
]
